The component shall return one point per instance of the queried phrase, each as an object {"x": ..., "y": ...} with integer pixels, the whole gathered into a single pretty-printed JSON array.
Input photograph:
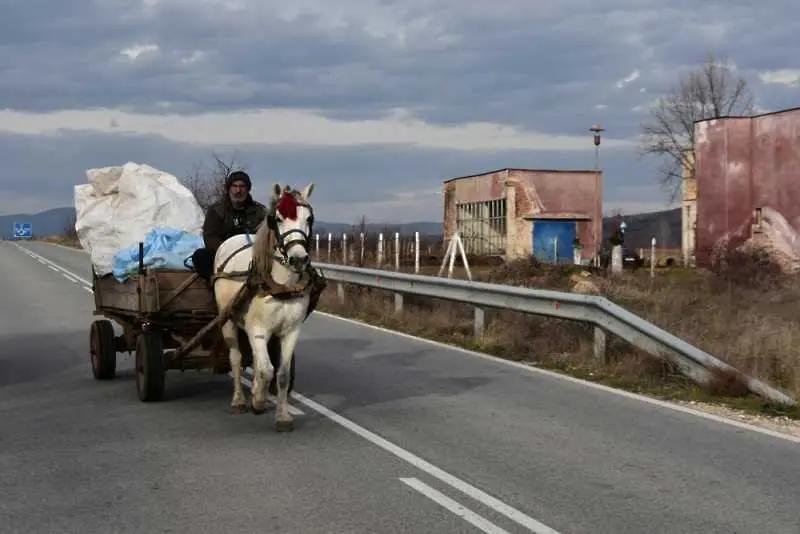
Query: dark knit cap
[{"x": 238, "y": 176}]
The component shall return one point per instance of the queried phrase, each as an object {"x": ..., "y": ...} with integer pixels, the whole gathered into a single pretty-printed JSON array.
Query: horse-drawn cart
[{"x": 169, "y": 321}]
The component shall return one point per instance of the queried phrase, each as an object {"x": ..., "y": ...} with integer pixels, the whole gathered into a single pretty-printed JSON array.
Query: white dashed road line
[{"x": 449, "y": 504}]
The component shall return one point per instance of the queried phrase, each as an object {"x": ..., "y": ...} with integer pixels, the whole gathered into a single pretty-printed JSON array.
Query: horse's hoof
[
  {"x": 259, "y": 409},
  {"x": 284, "y": 426},
  {"x": 239, "y": 408}
]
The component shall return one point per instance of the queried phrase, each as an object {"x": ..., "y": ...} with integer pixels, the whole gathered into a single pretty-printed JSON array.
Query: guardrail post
[
  {"x": 340, "y": 292},
  {"x": 480, "y": 323},
  {"x": 398, "y": 302},
  {"x": 599, "y": 348}
]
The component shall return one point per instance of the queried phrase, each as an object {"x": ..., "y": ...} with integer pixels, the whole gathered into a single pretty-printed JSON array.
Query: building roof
[
  {"x": 767, "y": 114},
  {"x": 564, "y": 215},
  {"x": 550, "y": 171}
]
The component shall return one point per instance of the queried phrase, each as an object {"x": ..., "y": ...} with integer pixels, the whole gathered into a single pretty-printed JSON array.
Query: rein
[{"x": 266, "y": 285}]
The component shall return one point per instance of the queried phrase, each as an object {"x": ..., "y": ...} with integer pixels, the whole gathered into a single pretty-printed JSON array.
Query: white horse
[{"x": 277, "y": 254}]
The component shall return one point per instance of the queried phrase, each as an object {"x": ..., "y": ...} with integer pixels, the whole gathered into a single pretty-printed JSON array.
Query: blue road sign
[{"x": 23, "y": 230}]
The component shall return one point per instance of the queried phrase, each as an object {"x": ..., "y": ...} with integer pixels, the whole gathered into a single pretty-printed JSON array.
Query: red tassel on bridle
[{"x": 287, "y": 206}]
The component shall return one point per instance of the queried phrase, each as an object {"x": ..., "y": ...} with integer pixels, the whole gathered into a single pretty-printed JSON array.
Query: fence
[
  {"x": 381, "y": 250},
  {"x": 606, "y": 317}
]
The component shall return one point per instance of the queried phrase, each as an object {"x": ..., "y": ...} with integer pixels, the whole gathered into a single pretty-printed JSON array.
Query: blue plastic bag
[{"x": 164, "y": 248}]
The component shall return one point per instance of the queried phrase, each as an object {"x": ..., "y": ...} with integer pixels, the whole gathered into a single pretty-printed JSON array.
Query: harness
[{"x": 311, "y": 280}]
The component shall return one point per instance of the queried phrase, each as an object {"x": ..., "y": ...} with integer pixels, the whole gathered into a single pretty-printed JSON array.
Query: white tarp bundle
[{"x": 121, "y": 205}]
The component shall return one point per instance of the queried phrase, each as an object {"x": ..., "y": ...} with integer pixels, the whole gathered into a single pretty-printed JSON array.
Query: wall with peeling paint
[
  {"x": 532, "y": 194},
  {"x": 744, "y": 163}
]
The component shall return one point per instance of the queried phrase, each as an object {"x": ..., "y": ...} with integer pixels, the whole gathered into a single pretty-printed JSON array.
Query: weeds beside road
[{"x": 752, "y": 326}]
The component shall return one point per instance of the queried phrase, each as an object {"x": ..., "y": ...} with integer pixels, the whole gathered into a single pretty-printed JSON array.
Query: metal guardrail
[{"x": 606, "y": 316}]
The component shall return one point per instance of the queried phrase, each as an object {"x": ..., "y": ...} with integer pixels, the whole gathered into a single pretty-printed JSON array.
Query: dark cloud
[{"x": 542, "y": 68}]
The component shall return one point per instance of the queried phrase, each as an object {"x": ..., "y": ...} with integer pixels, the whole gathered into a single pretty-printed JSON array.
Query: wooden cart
[{"x": 169, "y": 320}]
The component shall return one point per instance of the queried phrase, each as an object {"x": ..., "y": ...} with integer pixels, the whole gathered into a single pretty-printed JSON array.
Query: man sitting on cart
[{"x": 236, "y": 213}]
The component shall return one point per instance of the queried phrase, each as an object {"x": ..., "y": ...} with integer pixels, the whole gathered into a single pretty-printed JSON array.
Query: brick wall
[{"x": 534, "y": 192}]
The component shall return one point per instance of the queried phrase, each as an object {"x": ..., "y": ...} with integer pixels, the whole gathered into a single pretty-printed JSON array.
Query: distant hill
[
  {"x": 54, "y": 222},
  {"x": 665, "y": 226},
  {"x": 641, "y": 228},
  {"x": 46, "y": 223}
]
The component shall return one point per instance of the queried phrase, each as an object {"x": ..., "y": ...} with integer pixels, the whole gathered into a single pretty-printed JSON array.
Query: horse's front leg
[
  {"x": 263, "y": 370},
  {"x": 283, "y": 420}
]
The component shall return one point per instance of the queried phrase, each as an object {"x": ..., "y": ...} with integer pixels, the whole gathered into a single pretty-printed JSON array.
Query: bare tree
[
  {"x": 208, "y": 184},
  {"x": 69, "y": 232},
  {"x": 709, "y": 92}
]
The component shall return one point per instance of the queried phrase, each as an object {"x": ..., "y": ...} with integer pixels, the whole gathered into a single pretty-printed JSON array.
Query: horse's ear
[
  {"x": 306, "y": 193},
  {"x": 277, "y": 191}
]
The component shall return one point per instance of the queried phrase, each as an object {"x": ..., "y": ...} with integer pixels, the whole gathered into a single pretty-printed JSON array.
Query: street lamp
[{"x": 596, "y": 130}]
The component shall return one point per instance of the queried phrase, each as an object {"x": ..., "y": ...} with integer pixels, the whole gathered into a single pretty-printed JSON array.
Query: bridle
[{"x": 286, "y": 240}]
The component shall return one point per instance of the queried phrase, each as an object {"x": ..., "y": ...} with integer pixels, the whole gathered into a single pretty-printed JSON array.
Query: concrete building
[
  {"x": 522, "y": 212},
  {"x": 743, "y": 165},
  {"x": 689, "y": 210}
]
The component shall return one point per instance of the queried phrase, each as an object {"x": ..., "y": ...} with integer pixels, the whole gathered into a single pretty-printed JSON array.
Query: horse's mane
[{"x": 263, "y": 245}]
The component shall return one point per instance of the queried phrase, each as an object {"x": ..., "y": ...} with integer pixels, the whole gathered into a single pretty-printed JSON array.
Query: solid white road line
[
  {"x": 423, "y": 465},
  {"x": 578, "y": 381},
  {"x": 449, "y": 504},
  {"x": 455, "y": 482}
]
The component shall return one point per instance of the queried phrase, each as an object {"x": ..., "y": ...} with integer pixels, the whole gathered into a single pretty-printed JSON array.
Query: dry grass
[
  {"x": 747, "y": 319},
  {"x": 66, "y": 241}
]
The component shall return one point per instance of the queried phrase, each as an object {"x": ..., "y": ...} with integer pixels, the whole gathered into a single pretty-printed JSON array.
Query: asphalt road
[{"x": 396, "y": 435}]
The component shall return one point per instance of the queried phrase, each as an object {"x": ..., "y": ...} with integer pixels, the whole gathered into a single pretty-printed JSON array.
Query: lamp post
[{"x": 596, "y": 130}]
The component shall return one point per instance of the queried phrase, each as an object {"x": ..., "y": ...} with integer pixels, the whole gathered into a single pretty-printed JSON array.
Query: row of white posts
[
  {"x": 380, "y": 252},
  {"x": 455, "y": 248}
]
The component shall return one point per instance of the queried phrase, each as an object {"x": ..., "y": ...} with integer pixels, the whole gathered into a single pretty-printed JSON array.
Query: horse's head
[{"x": 291, "y": 218}]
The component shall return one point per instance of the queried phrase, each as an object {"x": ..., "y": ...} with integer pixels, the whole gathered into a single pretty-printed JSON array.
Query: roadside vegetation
[{"x": 745, "y": 316}]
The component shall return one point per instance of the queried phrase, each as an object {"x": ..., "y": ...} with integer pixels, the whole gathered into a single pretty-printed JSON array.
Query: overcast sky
[{"x": 376, "y": 102}]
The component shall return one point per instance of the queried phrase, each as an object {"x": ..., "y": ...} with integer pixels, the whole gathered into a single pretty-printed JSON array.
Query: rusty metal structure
[
  {"x": 516, "y": 213},
  {"x": 742, "y": 165}
]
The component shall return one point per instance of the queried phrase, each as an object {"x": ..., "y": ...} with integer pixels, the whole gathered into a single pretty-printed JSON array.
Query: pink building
[
  {"x": 743, "y": 165},
  {"x": 524, "y": 212}
]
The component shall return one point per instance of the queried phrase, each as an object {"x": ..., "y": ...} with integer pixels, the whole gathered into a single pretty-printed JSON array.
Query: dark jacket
[{"x": 224, "y": 221}]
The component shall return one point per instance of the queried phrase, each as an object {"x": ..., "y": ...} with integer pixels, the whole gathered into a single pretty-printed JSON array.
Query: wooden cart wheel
[
  {"x": 150, "y": 368},
  {"x": 103, "y": 350}
]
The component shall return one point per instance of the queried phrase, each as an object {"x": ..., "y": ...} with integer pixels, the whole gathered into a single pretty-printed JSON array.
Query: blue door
[{"x": 545, "y": 234}]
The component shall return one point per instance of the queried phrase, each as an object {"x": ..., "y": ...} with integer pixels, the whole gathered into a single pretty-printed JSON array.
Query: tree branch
[{"x": 712, "y": 91}]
